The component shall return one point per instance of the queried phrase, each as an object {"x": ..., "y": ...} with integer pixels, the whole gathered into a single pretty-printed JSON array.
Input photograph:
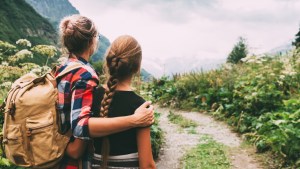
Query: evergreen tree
[
  {"x": 297, "y": 40},
  {"x": 238, "y": 52}
]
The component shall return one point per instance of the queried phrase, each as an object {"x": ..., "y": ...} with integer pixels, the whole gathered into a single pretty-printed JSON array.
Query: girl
[
  {"x": 80, "y": 37},
  {"x": 130, "y": 148}
]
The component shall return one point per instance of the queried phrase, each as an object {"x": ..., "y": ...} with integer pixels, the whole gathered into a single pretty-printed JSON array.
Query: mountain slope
[
  {"x": 20, "y": 20},
  {"x": 53, "y": 10}
]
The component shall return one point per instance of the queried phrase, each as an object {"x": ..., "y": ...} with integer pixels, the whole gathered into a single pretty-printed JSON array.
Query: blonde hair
[
  {"x": 78, "y": 34},
  {"x": 123, "y": 60}
]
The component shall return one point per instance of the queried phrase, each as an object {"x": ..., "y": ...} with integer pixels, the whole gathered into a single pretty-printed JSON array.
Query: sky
[{"x": 183, "y": 35}]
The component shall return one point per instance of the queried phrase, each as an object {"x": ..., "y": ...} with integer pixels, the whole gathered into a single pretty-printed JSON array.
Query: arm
[
  {"x": 76, "y": 148},
  {"x": 144, "y": 148},
  {"x": 142, "y": 117},
  {"x": 104, "y": 126}
]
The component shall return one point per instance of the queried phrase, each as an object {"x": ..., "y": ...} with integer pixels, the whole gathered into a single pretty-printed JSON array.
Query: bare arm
[
  {"x": 142, "y": 117},
  {"x": 144, "y": 148}
]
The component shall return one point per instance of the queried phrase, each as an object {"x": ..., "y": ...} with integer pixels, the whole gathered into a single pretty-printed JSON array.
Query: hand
[{"x": 144, "y": 115}]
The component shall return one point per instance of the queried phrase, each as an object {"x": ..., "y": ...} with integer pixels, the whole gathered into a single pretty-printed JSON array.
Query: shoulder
[
  {"x": 84, "y": 73},
  {"x": 137, "y": 100}
]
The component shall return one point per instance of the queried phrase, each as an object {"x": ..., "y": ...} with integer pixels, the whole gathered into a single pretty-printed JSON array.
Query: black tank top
[{"x": 124, "y": 103}]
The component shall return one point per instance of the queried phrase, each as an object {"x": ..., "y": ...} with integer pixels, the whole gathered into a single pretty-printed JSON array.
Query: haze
[{"x": 183, "y": 35}]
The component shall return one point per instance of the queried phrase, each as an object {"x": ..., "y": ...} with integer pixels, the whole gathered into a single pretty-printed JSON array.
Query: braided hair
[{"x": 123, "y": 60}]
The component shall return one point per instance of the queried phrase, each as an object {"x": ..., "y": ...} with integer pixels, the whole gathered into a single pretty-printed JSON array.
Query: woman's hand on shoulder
[{"x": 144, "y": 115}]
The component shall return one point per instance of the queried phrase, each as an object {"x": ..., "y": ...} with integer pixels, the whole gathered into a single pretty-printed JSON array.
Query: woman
[
  {"x": 80, "y": 37},
  {"x": 130, "y": 148}
]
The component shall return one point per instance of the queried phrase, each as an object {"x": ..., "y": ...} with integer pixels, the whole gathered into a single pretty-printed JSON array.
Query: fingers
[
  {"x": 151, "y": 108},
  {"x": 146, "y": 104}
]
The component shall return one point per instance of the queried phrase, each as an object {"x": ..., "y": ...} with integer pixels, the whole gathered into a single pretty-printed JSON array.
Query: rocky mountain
[
  {"x": 19, "y": 20},
  {"x": 53, "y": 10}
]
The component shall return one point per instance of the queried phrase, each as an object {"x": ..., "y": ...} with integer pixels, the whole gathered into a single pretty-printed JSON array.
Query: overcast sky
[{"x": 192, "y": 33}]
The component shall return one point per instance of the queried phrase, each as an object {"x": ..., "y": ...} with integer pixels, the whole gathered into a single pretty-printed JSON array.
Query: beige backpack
[{"x": 31, "y": 129}]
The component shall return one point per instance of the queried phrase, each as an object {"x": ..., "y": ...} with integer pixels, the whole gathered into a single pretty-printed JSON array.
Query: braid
[
  {"x": 123, "y": 60},
  {"x": 112, "y": 85}
]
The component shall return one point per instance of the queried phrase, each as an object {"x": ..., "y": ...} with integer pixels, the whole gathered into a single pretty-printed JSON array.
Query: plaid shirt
[{"x": 75, "y": 101}]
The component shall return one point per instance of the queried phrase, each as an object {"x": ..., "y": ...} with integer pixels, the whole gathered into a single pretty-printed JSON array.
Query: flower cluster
[{"x": 23, "y": 42}]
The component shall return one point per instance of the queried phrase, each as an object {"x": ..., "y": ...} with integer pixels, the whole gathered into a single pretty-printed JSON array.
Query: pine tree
[
  {"x": 297, "y": 40},
  {"x": 238, "y": 52}
]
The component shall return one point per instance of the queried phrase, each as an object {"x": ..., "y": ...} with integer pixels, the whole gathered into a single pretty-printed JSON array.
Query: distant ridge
[
  {"x": 53, "y": 10},
  {"x": 19, "y": 20}
]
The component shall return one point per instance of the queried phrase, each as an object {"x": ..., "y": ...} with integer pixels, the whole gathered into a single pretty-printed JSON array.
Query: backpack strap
[{"x": 71, "y": 66}]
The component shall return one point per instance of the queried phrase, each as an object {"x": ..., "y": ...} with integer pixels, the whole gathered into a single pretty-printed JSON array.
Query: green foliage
[
  {"x": 156, "y": 136},
  {"x": 19, "y": 20},
  {"x": 238, "y": 52},
  {"x": 98, "y": 66},
  {"x": 19, "y": 60},
  {"x": 207, "y": 154},
  {"x": 259, "y": 98},
  {"x": 297, "y": 40},
  {"x": 45, "y": 50}
]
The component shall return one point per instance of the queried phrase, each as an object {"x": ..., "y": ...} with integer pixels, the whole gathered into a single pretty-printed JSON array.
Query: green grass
[
  {"x": 208, "y": 154},
  {"x": 181, "y": 121}
]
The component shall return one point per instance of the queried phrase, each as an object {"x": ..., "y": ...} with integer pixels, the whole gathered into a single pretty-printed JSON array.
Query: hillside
[
  {"x": 20, "y": 20},
  {"x": 52, "y": 11}
]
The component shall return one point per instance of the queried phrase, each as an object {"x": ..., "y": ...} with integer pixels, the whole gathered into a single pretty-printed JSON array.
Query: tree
[
  {"x": 238, "y": 52},
  {"x": 297, "y": 39}
]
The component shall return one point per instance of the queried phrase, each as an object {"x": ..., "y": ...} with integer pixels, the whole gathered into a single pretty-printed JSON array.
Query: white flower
[
  {"x": 24, "y": 53},
  {"x": 4, "y": 63},
  {"x": 23, "y": 42},
  {"x": 36, "y": 70},
  {"x": 62, "y": 60},
  {"x": 6, "y": 84}
]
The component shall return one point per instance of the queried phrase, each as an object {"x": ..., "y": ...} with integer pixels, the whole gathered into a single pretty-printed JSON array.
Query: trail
[{"x": 176, "y": 142}]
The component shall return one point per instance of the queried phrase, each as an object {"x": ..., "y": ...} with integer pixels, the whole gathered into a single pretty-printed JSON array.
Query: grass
[
  {"x": 208, "y": 154},
  {"x": 184, "y": 124},
  {"x": 181, "y": 121}
]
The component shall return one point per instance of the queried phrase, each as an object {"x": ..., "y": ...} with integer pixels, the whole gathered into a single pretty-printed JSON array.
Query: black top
[{"x": 124, "y": 103}]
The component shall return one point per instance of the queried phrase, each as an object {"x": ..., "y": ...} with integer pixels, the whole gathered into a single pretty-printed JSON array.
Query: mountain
[
  {"x": 159, "y": 67},
  {"x": 104, "y": 43},
  {"x": 19, "y": 20},
  {"x": 282, "y": 49},
  {"x": 53, "y": 10}
]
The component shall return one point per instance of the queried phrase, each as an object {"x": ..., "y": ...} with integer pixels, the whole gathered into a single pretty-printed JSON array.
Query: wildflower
[
  {"x": 6, "y": 84},
  {"x": 23, "y": 42},
  {"x": 62, "y": 60},
  {"x": 47, "y": 50},
  {"x": 4, "y": 63}
]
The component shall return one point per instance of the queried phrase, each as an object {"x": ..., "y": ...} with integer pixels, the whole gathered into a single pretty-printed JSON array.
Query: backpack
[{"x": 32, "y": 135}]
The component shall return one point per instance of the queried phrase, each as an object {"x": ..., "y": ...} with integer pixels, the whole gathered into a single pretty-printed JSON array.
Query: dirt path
[{"x": 177, "y": 143}]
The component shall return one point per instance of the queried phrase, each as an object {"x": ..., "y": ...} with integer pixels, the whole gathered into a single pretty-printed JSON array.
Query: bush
[{"x": 259, "y": 98}]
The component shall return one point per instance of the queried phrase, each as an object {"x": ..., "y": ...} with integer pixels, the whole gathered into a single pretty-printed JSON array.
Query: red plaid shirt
[{"x": 75, "y": 102}]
